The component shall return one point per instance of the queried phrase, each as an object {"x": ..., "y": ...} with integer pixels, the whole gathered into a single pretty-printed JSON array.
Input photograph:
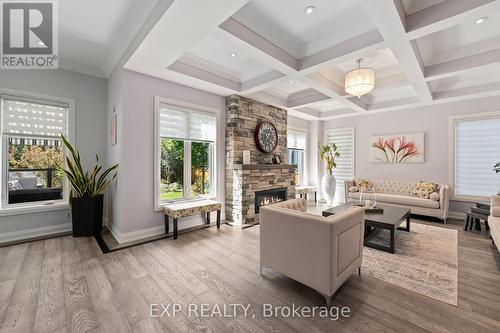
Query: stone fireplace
[{"x": 245, "y": 182}]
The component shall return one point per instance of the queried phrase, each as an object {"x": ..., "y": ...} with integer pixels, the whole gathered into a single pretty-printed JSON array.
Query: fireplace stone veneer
[
  {"x": 248, "y": 179},
  {"x": 243, "y": 180}
]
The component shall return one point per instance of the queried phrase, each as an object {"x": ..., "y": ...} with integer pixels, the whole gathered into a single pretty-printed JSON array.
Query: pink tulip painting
[{"x": 407, "y": 148}]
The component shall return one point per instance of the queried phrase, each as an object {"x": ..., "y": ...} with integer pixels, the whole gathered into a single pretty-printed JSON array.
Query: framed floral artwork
[{"x": 397, "y": 148}]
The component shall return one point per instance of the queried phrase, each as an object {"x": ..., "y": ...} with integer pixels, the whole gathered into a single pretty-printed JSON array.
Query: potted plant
[
  {"x": 329, "y": 153},
  {"x": 87, "y": 192}
]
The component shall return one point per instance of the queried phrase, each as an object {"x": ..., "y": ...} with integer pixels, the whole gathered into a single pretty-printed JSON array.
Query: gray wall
[
  {"x": 89, "y": 94},
  {"x": 432, "y": 120},
  {"x": 131, "y": 211}
]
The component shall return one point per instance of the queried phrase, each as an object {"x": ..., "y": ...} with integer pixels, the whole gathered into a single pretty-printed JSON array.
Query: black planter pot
[{"x": 86, "y": 214}]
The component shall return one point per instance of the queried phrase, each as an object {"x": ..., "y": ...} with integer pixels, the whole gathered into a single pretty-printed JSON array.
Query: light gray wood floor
[{"x": 66, "y": 284}]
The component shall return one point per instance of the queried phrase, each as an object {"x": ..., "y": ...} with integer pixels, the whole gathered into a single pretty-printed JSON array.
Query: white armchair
[{"x": 317, "y": 251}]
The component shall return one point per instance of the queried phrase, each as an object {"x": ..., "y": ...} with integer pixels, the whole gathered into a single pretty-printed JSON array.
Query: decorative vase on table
[
  {"x": 329, "y": 153},
  {"x": 328, "y": 187}
]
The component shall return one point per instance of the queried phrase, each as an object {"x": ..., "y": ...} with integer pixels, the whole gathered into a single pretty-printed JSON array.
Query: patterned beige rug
[{"x": 426, "y": 261}]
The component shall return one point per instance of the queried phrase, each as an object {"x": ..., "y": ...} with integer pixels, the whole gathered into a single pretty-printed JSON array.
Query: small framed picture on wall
[{"x": 114, "y": 127}]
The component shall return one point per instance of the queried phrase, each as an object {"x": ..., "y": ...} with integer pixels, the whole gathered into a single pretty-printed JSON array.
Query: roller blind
[
  {"x": 185, "y": 124},
  {"x": 29, "y": 119},
  {"x": 296, "y": 139},
  {"x": 344, "y": 139},
  {"x": 477, "y": 150}
]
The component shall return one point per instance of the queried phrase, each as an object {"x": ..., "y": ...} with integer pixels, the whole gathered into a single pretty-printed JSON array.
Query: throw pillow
[
  {"x": 14, "y": 185},
  {"x": 434, "y": 196},
  {"x": 363, "y": 184},
  {"x": 424, "y": 190},
  {"x": 353, "y": 189}
]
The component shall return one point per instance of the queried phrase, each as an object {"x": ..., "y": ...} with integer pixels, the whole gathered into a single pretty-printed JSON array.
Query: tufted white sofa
[
  {"x": 320, "y": 252},
  {"x": 494, "y": 220},
  {"x": 401, "y": 194}
]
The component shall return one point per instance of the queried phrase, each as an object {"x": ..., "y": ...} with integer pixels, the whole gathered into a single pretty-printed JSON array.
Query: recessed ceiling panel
[
  {"x": 286, "y": 24},
  {"x": 217, "y": 56},
  {"x": 481, "y": 76},
  {"x": 413, "y": 6},
  {"x": 461, "y": 40}
]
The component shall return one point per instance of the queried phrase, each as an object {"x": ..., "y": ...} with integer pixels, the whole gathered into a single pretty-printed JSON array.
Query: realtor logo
[{"x": 29, "y": 34}]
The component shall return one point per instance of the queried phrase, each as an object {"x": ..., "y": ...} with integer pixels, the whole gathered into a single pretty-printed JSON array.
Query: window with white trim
[
  {"x": 344, "y": 139},
  {"x": 31, "y": 150},
  {"x": 296, "y": 144},
  {"x": 186, "y": 154},
  {"x": 477, "y": 150}
]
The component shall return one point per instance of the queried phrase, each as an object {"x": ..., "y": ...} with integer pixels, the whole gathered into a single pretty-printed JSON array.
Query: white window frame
[
  {"x": 36, "y": 206},
  {"x": 305, "y": 179},
  {"x": 451, "y": 151},
  {"x": 353, "y": 152},
  {"x": 187, "y": 107}
]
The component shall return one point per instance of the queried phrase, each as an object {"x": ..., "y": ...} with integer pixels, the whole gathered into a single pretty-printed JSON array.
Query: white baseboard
[{"x": 27, "y": 234}]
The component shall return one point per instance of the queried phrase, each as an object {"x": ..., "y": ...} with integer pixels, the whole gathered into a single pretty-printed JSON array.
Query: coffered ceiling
[{"x": 422, "y": 51}]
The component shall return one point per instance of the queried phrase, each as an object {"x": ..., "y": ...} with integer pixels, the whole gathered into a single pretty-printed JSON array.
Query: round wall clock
[{"x": 266, "y": 137}]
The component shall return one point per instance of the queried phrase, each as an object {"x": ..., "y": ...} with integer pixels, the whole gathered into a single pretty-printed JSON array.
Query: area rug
[{"x": 426, "y": 261}]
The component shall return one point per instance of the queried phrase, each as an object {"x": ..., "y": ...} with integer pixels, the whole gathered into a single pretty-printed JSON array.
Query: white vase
[{"x": 328, "y": 187}]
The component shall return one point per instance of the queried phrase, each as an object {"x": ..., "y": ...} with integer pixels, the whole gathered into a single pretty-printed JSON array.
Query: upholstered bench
[
  {"x": 184, "y": 209},
  {"x": 304, "y": 190}
]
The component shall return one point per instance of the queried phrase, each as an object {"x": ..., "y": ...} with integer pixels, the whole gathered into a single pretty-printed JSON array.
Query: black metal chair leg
[
  {"x": 175, "y": 227},
  {"x": 208, "y": 217},
  {"x": 166, "y": 224},
  {"x": 218, "y": 219},
  {"x": 466, "y": 225}
]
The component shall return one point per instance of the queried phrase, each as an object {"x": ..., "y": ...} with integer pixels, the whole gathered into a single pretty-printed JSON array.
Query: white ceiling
[
  {"x": 91, "y": 31},
  {"x": 422, "y": 51}
]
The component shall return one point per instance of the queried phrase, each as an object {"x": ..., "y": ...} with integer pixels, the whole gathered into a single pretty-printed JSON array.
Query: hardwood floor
[{"x": 66, "y": 284}]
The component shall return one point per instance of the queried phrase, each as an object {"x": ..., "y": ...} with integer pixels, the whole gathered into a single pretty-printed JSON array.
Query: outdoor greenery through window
[
  {"x": 30, "y": 131},
  {"x": 187, "y": 140}
]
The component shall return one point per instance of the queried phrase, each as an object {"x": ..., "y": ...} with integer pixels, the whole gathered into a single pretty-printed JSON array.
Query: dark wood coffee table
[{"x": 390, "y": 219}]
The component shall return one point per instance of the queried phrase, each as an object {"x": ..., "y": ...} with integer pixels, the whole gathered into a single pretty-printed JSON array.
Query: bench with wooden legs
[{"x": 184, "y": 209}]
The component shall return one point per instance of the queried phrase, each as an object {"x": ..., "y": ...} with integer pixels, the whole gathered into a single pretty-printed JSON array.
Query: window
[
  {"x": 31, "y": 150},
  {"x": 344, "y": 139},
  {"x": 477, "y": 150},
  {"x": 186, "y": 154},
  {"x": 296, "y": 143}
]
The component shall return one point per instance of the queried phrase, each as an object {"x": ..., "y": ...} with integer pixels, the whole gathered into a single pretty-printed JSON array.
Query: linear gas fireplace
[{"x": 268, "y": 197}]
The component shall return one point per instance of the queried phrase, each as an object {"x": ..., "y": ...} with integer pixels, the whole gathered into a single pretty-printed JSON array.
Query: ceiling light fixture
[
  {"x": 309, "y": 10},
  {"x": 290, "y": 82},
  {"x": 481, "y": 20},
  {"x": 359, "y": 81},
  {"x": 234, "y": 54},
  {"x": 40, "y": 43}
]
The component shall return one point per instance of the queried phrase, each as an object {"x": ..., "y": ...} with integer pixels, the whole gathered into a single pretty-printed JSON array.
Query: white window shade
[
  {"x": 27, "y": 119},
  {"x": 296, "y": 139},
  {"x": 182, "y": 124},
  {"x": 477, "y": 150},
  {"x": 344, "y": 139}
]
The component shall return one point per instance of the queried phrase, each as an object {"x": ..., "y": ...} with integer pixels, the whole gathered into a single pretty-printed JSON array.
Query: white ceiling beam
[
  {"x": 461, "y": 94},
  {"x": 462, "y": 65},
  {"x": 306, "y": 98},
  {"x": 264, "y": 51},
  {"x": 351, "y": 49},
  {"x": 329, "y": 88},
  {"x": 174, "y": 33},
  {"x": 305, "y": 113},
  {"x": 261, "y": 82},
  {"x": 394, "y": 104},
  {"x": 388, "y": 16},
  {"x": 258, "y": 46},
  {"x": 266, "y": 98},
  {"x": 447, "y": 14},
  {"x": 186, "y": 69},
  {"x": 327, "y": 115}
]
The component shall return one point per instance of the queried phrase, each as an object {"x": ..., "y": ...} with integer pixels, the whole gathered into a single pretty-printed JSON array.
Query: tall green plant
[
  {"x": 329, "y": 153},
  {"x": 84, "y": 183}
]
